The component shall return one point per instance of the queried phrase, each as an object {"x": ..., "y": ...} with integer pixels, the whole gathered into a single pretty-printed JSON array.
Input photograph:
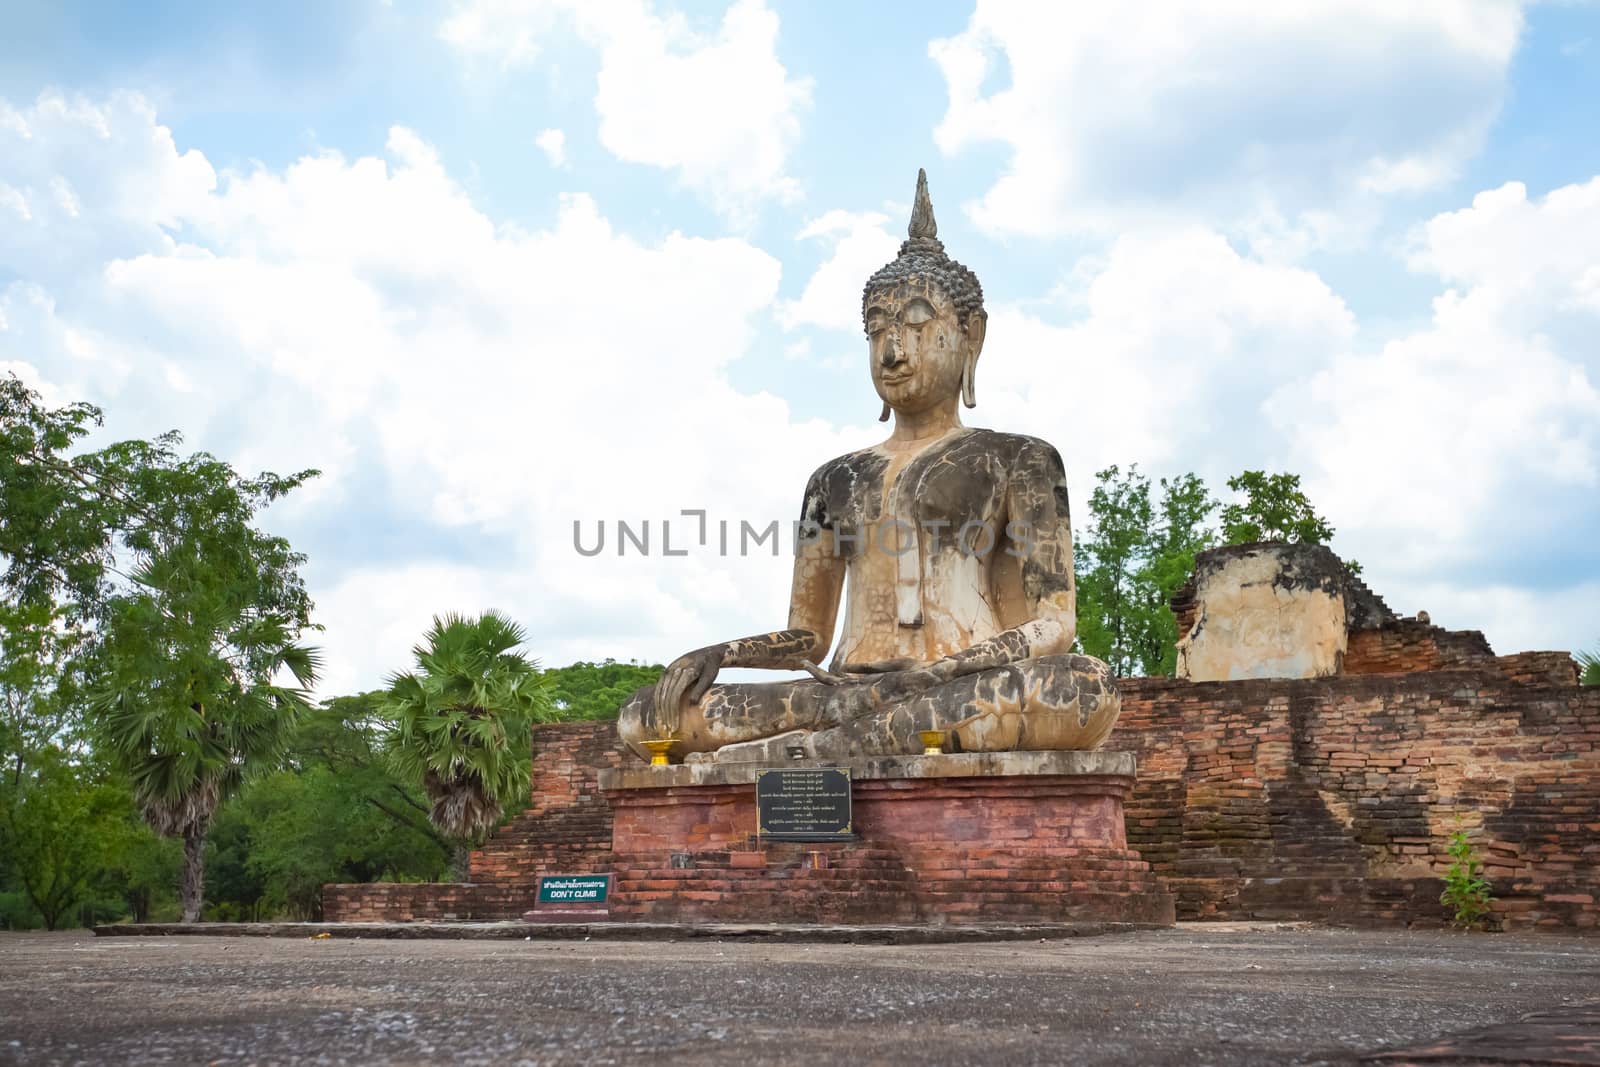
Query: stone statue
[{"x": 953, "y": 549}]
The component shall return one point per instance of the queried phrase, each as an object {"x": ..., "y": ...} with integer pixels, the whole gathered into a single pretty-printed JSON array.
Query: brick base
[{"x": 1023, "y": 848}]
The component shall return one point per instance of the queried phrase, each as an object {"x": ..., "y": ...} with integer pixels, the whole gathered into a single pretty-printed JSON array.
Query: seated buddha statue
[{"x": 951, "y": 549}]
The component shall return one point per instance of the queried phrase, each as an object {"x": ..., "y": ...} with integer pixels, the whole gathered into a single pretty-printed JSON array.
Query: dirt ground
[{"x": 1211, "y": 994}]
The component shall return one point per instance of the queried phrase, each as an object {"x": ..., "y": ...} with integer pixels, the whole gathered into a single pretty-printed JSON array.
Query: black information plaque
[{"x": 804, "y": 804}]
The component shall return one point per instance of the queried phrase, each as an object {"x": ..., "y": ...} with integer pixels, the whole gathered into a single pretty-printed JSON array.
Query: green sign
[{"x": 574, "y": 888}]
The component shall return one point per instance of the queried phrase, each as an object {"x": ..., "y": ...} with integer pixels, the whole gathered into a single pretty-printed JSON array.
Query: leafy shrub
[{"x": 1466, "y": 891}]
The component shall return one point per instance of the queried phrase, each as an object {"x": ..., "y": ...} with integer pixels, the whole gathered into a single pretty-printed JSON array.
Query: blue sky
[{"x": 1357, "y": 241}]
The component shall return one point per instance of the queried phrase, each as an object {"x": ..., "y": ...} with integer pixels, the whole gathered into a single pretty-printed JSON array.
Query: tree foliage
[
  {"x": 1140, "y": 547},
  {"x": 586, "y": 691},
  {"x": 1134, "y": 555},
  {"x": 336, "y": 812},
  {"x": 186, "y": 615},
  {"x": 461, "y": 722},
  {"x": 58, "y": 826},
  {"x": 73, "y": 521},
  {"x": 1589, "y": 665},
  {"x": 1274, "y": 508}
]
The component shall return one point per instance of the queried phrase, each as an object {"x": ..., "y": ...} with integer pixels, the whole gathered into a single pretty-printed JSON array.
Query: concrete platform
[
  {"x": 1215, "y": 993},
  {"x": 796, "y": 933}
]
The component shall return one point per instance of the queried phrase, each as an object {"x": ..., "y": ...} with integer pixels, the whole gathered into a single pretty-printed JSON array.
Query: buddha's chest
[{"x": 941, "y": 495}]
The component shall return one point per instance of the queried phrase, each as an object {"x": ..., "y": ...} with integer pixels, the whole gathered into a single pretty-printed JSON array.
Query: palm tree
[
  {"x": 459, "y": 720},
  {"x": 189, "y": 705},
  {"x": 1590, "y": 662}
]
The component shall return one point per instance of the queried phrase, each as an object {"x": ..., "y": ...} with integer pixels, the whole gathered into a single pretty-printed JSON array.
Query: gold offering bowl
[
  {"x": 932, "y": 742},
  {"x": 659, "y": 749}
]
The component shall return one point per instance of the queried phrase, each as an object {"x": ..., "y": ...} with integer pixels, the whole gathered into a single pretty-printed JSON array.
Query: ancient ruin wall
[
  {"x": 1317, "y": 798},
  {"x": 1335, "y": 797}
]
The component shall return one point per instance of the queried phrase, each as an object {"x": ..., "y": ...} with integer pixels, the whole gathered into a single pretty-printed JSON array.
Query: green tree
[
  {"x": 462, "y": 723},
  {"x": 1182, "y": 532},
  {"x": 1112, "y": 553},
  {"x": 54, "y": 830},
  {"x": 35, "y": 658},
  {"x": 70, "y": 519},
  {"x": 587, "y": 691},
  {"x": 189, "y": 700},
  {"x": 1274, "y": 508},
  {"x": 1135, "y": 553},
  {"x": 336, "y": 812},
  {"x": 181, "y": 612}
]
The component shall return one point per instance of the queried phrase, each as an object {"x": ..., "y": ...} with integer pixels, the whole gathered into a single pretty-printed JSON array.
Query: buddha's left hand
[{"x": 688, "y": 676}]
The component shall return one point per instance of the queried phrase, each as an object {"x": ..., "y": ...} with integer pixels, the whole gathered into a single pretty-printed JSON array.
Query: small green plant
[{"x": 1466, "y": 890}]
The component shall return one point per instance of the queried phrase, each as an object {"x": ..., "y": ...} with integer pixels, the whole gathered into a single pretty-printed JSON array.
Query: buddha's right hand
[{"x": 686, "y": 679}]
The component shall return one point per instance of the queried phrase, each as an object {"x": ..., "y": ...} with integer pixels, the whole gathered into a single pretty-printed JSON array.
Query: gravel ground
[{"x": 1214, "y": 993}]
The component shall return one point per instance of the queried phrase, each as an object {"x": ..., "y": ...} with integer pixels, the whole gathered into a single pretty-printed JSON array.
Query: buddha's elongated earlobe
[
  {"x": 977, "y": 328},
  {"x": 884, "y": 417}
]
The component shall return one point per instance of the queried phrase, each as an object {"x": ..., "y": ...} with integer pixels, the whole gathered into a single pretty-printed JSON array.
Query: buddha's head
[{"x": 925, "y": 320}]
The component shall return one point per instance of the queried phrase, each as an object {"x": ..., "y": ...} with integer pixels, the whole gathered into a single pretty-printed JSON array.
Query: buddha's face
[{"x": 918, "y": 346}]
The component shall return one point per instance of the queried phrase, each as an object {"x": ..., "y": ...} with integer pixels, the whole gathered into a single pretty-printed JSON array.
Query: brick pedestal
[{"x": 1030, "y": 837}]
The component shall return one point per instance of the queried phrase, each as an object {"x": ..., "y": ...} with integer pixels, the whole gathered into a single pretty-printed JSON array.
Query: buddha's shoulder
[
  {"x": 865, "y": 464},
  {"x": 1014, "y": 449}
]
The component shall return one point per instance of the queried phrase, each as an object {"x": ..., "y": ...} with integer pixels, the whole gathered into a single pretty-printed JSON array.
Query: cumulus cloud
[
  {"x": 58, "y": 208},
  {"x": 1480, "y": 430},
  {"x": 1248, "y": 115},
  {"x": 718, "y": 109},
  {"x": 832, "y": 297},
  {"x": 476, "y": 386},
  {"x": 1458, "y": 461},
  {"x": 1170, "y": 344}
]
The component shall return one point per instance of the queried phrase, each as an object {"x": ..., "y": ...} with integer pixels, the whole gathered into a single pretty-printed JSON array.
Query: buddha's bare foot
[{"x": 773, "y": 749}]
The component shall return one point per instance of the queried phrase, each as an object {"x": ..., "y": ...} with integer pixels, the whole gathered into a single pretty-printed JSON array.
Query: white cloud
[
  {"x": 1481, "y": 430},
  {"x": 57, "y": 207},
  {"x": 1458, "y": 462},
  {"x": 832, "y": 297},
  {"x": 1229, "y": 110},
  {"x": 1174, "y": 343},
  {"x": 719, "y": 109},
  {"x": 553, "y": 143},
  {"x": 450, "y": 374}
]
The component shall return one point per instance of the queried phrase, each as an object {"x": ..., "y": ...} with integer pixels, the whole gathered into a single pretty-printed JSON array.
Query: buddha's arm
[
  {"x": 813, "y": 607},
  {"x": 1040, "y": 535}
]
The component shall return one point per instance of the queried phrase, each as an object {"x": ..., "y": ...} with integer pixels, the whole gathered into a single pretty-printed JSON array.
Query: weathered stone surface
[
  {"x": 950, "y": 549},
  {"x": 1274, "y": 610},
  {"x": 962, "y": 765},
  {"x": 1262, "y": 611}
]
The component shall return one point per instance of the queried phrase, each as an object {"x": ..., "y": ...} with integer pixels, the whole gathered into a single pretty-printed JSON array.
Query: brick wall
[
  {"x": 1405, "y": 645},
  {"x": 1021, "y": 848},
  {"x": 1318, "y": 798},
  {"x": 567, "y": 828},
  {"x": 421, "y": 901},
  {"x": 1335, "y": 797}
]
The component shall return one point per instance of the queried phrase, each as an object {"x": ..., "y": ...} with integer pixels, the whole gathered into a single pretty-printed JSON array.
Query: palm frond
[{"x": 457, "y": 719}]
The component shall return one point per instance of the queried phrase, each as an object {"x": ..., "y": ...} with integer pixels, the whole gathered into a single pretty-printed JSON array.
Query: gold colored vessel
[
  {"x": 932, "y": 742},
  {"x": 659, "y": 749}
]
